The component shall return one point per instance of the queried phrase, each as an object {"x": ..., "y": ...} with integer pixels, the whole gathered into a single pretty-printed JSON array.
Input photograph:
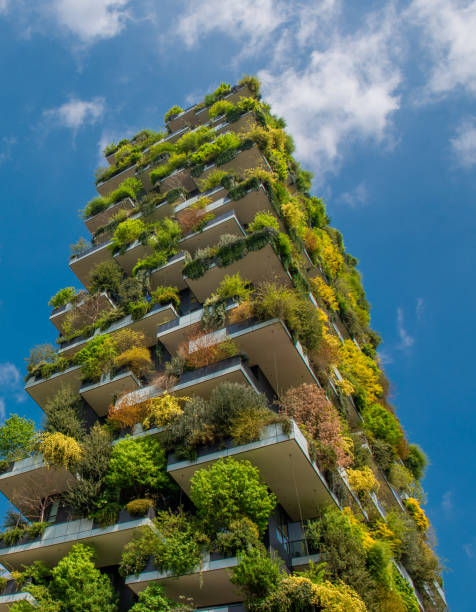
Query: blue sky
[{"x": 380, "y": 98}]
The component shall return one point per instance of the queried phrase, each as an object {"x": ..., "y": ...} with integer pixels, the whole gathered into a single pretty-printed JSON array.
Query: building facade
[{"x": 218, "y": 434}]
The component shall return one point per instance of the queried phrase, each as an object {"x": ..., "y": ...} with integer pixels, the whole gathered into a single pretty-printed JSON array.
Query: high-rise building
[{"x": 217, "y": 427}]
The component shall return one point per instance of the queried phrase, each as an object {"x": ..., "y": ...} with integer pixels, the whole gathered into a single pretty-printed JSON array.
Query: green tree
[
  {"x": 153, "y": 599},
  {"x": 63, "y": 413},
  {"x": 79, "y": 586},
  {"x": 416, "y": 461},
  {"x": 230, "y": 489},
  {"x": 139, "y": 465},
  {"x": 382, "y": 424},
  {"x": 15, "y": 437}
]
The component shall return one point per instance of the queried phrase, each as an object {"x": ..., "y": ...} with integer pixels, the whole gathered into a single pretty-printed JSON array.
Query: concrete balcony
[
  {"x": 170, "y": 274},
  {"x": 245, "y": 160},
  {"x": 301, "y": 554},
  {"x": 83, "y": 264},
  {"x": 196, "y": 115},
  {"x": 58, "y": 539},
  {"x": 239, "y": 607},
  {"x": 270, "y": 345},
  {"x": 284, "y": 463},
  {"x": 100, "y": 395},
  {"x": 254, "y": 267},
  {"x": 168, "y": 209},
  {"x": 11, "y": 596},
  {"x": 42, "y": 389},
  {"x": 207, "y": 585},
  {"x": 201, "y": 381},
  {"x": 94, "y": 222},
  {"x": 58, "y": 316},
  {"x": 106, "y": 187},
  {"x": 32, "y": 478},
  {"x": 148, "y": 325},
  {"x": 256, "y": 200}
]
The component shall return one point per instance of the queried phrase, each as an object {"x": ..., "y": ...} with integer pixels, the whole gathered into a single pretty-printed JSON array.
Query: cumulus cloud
[
  {"x": 448, "y": 28},
  {"x": 91, "y": 20},
  {"x": 464, "y": 143},
  {"x": 9, "y": 375},
  {"x": 251, "y": 19},
  {"x": 357, "y": 197},
  {"x": 76, "y": 113},
  {"x": 347, "y": 90},
  {"x": 406, "y": 341}
]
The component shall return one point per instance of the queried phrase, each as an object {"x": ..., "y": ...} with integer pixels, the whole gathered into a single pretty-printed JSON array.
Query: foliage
[
  {"x": 241, "y": 535},
  {"x": 417, "y": 512},
  {"x": 63, "y": 413},
  {"x": 308, "y": 405},
  {"x": 161, "y": 410},
  {"x": 153, "y": 599},
  {"x": 363, "y": 480},
  {"x": 106, "y": 276},
  {"x": 257, "y": 574},
  {"x": 137, "y": 465},
  {"x": 63, "y": 297},
  {"x": 263, "y": 220},
  {"x": 381, "y": 423},
  {"x": 97, "y": 357},
  {"x": 16, "y": 435},
  {"x": 59, "y": 449},
  {"x": 165, "y": 295},
  {"x": 139, "y": 507},
  {"x": 233, "y": 287},
  {"x": 405, "y": 592},
  {"x": 228, "y": 490},
  {"x": 174, "y": 110},
  {"x": 361, "y": 371},
  {"x": 324, "y": 293},
  {"x": 416, "y": 461},
  {"x": 137, "y": 551},
  {"x": 301, "y": 318},
  {"x": 136, "y": 358},
  {"x": 201, "y": 349},
  {"x": 79, "y": 247},
  {"x": 178, "y": 548}
]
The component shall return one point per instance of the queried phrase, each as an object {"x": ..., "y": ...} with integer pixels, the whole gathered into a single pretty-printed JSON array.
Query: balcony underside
[
  {"x": 284, "y": 463},
  {"x": 43, "y": 389},
  {"x": 113, "y": 183},
  {"x": 96, "y": 221},
  {"x": 211, "y": 233},
  {"x": 255, "y": 267},
  {"x": 83, "y": 266},
  {"x": 170, "y": 274},
  {"x": 32, "y": 479},
  {"x": 101, "y": 395},
  {"x": 58, "y": 539},
  {"x": 245, "y": 160},
  {"x": 209, "y": 585},
  {"x": 8, "y": 600}
]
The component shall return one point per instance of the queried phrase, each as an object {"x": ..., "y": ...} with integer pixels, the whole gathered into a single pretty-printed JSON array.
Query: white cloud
[
  {"x": 464, "y": 143},
  {"x": 447, "y": 501},
  {"x": 3, "y": 6},
  {"x": 449, "y": 28},
  {"x": 6, "y": 144},
  {"x": 91, "y": 20},
  {"x": 346, "y": 91},
  {"x": 355, "y": 198},
  {"x": 420, "y": 307},
  {"x": 406, "y": 341},
  {"x": 251, "y": 19},
  {"x": 2, "y": 409},
  {"x": 9, "y": 375},
  {"x": 76, "y": 113}
]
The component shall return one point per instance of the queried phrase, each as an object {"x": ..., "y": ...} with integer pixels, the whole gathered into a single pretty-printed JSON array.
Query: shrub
[
  {"x": 363, "y": 480},
  {"x": 174, "y": 110},
  {"x": 97, "y": 357},
  {"x": 137, "y": 465},
  {"x": 257, "y": 574},
  {"x": 16, "y": 435},
  {"x": 63, "y": 297},
  {"x": 381, "y": 423},
  {"x": 178, "y": 549},
  {"x": 95, "y": 206},
  {"x": 165, "y": 295},
  {"x": 161, "y": 410},
  {"x": 361, "y": 371},
  {"x": 60, "y": 450},
  {"x": 324, "y": 293},
  {"x": 139, "y": 309},
  {"x": 36, "y": 530},
  {"x": 63, "y": 412},
  {"x": 137, "y": 551},
  {"x": 233, "y": 287},
  {"x": 416, "y": 461},
  {"x": 13, "y": 536},
  {"x": 417, "y": 512},
  {"x": 127, "y": 232},
  {"x": 242, "y": 535},
  {"x": 309, "y": 406},
  {"x": 228, "y": 490},
  {"x": 201, "y": 349},
  {"x": 106, "y": 276},
  {"x": 263, "y": 220},
  {"x": 153, "y": 599},
  {"x": 405, "y": 592},
  {"x": 139, "y": 507},
  {"x": 137, "y": 359}
]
